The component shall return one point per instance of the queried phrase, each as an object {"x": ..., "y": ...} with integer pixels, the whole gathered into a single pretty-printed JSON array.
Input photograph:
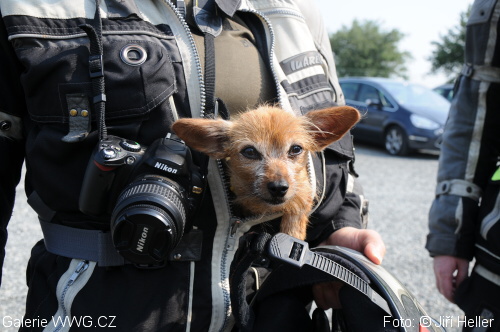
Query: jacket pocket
[{"x": 138, "y": 71}]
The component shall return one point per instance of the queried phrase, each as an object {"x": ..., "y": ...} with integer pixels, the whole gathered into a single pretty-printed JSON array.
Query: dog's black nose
[{"x": 277, "y": 188}]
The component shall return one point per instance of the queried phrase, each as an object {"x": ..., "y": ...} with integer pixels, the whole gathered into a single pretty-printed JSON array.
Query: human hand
[
  {"x": 447, "y": 280},
  {"x": 369, "y": 242}
]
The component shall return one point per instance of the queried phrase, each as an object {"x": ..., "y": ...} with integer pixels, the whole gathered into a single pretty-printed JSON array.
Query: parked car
[
  {"x": 445, "y": 90},
  {"x": 400, "y": 115}
]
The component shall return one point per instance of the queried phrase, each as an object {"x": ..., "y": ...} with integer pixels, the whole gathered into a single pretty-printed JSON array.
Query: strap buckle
[
  {"x": 467, "y": 70},
  {"x": 288, "y": 249},
  {"x": 96, "y": 69}
]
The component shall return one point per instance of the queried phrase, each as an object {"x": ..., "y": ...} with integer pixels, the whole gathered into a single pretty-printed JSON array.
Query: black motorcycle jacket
[
  {"x": 152, "y": 75},
  {"x": 464, "y": 217}
]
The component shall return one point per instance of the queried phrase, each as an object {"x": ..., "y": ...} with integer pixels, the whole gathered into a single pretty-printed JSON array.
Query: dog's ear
[
  {"x": 204, "y": 135},
  {"x": 330, "y": 124}
]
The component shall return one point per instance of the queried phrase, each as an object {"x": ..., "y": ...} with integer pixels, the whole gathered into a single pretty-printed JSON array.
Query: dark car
[
  {"x": 445, "y": 90},
  {"x": 400, "y": 115}
]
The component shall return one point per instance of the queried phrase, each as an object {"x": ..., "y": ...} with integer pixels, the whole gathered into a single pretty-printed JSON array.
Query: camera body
[{"x": 148, "y": 191}]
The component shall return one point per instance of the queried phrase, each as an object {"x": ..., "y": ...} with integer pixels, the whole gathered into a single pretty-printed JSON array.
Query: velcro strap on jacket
[
  {"x": 459, "y": 188},
  {"x": 87, "y": 244},
  {"x": 97, "y": 246}
]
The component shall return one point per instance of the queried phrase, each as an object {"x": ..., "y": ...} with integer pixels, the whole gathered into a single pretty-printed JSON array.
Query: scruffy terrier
[{"x": 266, "y": 150}]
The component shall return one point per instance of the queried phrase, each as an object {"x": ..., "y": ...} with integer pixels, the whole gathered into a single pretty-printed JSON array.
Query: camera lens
[{"x": 148, "y": 220}]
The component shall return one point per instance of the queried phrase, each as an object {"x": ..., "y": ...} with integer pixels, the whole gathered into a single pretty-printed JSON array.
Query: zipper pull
[
  {"x": 81, "y": 267},
  {"x": 235, "y": 224}
]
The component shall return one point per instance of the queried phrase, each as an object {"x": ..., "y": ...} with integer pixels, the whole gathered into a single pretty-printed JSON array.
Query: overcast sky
[{"x": 421, "y": 21}]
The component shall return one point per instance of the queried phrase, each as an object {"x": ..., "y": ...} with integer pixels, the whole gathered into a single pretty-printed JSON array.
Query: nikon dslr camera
[{"x": 148, "y": 191}]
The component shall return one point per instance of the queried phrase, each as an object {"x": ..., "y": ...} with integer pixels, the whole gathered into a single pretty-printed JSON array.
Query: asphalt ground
[{"x": 400, "y": 190}]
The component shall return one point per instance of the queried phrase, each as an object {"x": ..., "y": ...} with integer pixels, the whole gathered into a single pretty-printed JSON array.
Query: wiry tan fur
[{"x": 272, "y": 132}]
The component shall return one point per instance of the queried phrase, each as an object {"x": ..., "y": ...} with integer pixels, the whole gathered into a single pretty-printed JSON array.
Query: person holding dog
[
  {"x": 464, "y": 217},
  {"x": 139, "y": 231}
]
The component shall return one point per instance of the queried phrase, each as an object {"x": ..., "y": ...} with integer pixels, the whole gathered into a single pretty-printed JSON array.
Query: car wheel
[{"x": 396, "y": 141}]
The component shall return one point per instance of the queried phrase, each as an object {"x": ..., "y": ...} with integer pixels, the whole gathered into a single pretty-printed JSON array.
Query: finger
[
  {"x": 375, "y": 251},
  {"x": 462, "y": 272},
  {"x": 446, "y": 287},
  {"x": 441, "y": 285},
  {"x": 366, "y": 241},
  {"x": 438, "y": 281},
  {"x": 372, "y": 245},
  {"x": 443, "y": 271}
]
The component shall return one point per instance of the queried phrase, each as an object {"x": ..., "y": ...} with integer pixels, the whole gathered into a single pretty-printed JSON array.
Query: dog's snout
[{"x": 277, "y": 188}]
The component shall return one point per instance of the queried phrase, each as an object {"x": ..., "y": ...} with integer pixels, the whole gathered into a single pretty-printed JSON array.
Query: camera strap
[
  {"x": 207, "y": 20},
  {"x": 210, "y": 23},
  {"x": 96, "y": 68}
]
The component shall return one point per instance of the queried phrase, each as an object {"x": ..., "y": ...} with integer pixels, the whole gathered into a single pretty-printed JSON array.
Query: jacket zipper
[
  {"x": 192, "y": 46},
  {"x": 199, "y": 72},
  {"x": 223, "y": 273},
  {"x": 232, "y": 236},
  {"x": 83, "y": 34},
  {"x": 271, "y": 50},
  {"x": 80, "y": 268},
  {"x": 237, "y": 223},
  {"x": 282, "y": 11}
]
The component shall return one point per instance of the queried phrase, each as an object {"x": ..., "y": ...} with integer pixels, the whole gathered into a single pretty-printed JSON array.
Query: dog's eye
[
  {"x": 250, "y": 152},
  {"x": 295, "y": 150}
]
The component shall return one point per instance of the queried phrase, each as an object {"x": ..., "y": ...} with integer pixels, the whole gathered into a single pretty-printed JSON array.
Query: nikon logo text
[
  {"x": 165, "y": 168},
  {"x": 142, "y": 240}
]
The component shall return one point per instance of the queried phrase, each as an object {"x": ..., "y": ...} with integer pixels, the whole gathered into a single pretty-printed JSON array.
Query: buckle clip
[
  {"x": 288, "y": 249},
  {"x": 96, "y": 69},
  {"x": 467, "y": 70}
]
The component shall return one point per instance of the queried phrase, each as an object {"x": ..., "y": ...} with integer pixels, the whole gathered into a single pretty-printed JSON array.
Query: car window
[
  {"x": 385, "y": 101},
  {"x": 349, "y": 90},
  {"x": 414, "y": 95},
  {"x": 368, "y": 92}
]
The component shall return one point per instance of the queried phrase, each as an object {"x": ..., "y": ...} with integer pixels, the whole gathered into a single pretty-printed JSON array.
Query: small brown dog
[{"x": 267, "y": 154}]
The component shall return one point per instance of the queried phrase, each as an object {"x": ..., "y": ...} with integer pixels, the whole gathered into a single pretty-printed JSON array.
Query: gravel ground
[{"x": 400, "y": 190}]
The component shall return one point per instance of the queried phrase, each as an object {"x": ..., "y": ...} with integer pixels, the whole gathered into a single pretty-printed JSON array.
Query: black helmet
[
  {"x": 406, "y": 313},
  {"x": 372, "y": 299}
]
